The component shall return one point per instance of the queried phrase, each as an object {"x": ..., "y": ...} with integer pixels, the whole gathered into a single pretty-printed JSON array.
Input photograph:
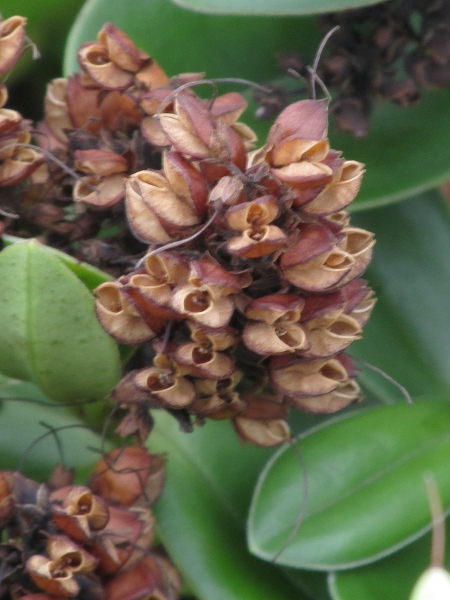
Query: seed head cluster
[
  {"x": 93, "y": 542},
  {"x": 236, "y": 268}
]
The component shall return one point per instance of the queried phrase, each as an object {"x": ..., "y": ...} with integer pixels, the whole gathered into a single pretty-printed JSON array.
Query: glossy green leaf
[
  {"x": 269, "y": 7},
  {"x": 392, "y": 578},
  {"x": 363, "y": 474},
  {"x": 23, "y": 412},
  {"x": 89, "y": 275},
  {"x": 201, "y": 515},
  {"x": 49, "y": 333}
]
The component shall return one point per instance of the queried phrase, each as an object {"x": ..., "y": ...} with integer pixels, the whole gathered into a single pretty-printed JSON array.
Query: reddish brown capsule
[{"x": 126, "y": 474}]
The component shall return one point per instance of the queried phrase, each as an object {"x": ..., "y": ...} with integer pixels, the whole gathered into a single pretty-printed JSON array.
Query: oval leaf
[
  {"x": 269, "y": 7},
  {"x": 363, "y": 473},
  {"x": 49, "y": 333}
]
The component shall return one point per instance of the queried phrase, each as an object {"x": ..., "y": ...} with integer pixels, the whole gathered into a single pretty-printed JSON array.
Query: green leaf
[
  {"x": 49, "y": 333},
  {"x": 391, "y": 578},
  {"x": 363, "y": 473},
  {"x": 23, "y": 410},
  {"x": 269, "y": 7},
  {"x": 201, "y": 515}
]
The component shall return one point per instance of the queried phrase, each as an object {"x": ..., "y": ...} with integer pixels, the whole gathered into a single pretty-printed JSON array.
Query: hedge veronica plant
[{"x": 172, "y": 280}]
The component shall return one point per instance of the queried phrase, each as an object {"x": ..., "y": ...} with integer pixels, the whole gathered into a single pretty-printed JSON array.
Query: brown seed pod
[{"x": 128, "y": 474}]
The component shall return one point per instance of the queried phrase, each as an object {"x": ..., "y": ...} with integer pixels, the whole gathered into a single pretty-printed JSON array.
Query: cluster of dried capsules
[
  {"x": 250, "y": 289},
  {"x": 61, "y": 540},
  {"x": 249, "y": 292}
]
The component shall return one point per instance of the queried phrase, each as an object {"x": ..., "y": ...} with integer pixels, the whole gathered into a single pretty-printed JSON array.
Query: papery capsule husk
[
  {"x": 127, "y": 474},
  {"x": 42, "y": 570},
  {"x": 12, "y": 37},
  {"x": 265, "y": 433},
  {"x": 348, "y": 393},
  {"x": 297, "y": 378},
  {"x": 166, "y": 387},
  {"x": 118, "y": 317},
  {"x": 95, "y": 61}
]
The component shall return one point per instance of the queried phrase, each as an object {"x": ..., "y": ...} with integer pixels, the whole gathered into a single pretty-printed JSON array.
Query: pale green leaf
[{"x": 49, "y": 333}]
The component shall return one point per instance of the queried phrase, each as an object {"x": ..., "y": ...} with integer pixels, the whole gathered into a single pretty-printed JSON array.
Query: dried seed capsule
[
  {"x": 12, "y": 36},
  {"x": 125, "y": 475}
]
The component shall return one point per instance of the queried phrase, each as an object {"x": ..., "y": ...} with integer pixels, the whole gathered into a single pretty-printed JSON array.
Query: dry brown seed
[
  {"x": 19, "y": 166},
  {"x": 201, "y": 360},
  {"x": 340, "y": 192},
  {"x": 100, "y": 162},
  {"x": 68, "y": 556},
  {"x": 101, "y": 192},
  {"x": 344, "y": 395},
  {"x": 296, "y": 378},
  {"x": 316, "y": 262},
  {"x": 306, "y": 119}
]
